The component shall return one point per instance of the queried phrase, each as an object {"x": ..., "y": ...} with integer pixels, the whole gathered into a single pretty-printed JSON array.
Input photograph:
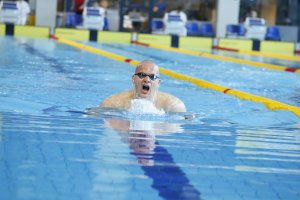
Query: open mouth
[{"x": 146, "y": 87}]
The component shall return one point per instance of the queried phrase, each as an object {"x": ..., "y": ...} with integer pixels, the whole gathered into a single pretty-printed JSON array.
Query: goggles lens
[{"x": 143, "y": 75}]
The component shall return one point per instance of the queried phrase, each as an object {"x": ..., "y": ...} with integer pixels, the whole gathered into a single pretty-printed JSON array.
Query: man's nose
[{"x": 147, "y": 78}]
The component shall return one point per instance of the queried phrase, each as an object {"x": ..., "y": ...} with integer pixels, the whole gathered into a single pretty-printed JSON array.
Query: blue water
[{"x": 52, "y": 147}]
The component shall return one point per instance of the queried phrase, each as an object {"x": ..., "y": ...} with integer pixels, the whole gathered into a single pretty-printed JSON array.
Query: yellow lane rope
[
  {"x": 218, "y": 57},
  {"x": 272, "y": 55},
  {"x": 269, "y": 103},
  {"x": 259, "y": 53}
]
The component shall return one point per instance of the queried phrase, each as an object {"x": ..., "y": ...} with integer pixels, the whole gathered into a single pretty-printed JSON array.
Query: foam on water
[
  {"x": 143, "y": 106},
  {"x": 145, "y": 114}
]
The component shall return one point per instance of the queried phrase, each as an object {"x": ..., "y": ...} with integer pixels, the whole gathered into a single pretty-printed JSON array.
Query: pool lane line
[
  {"x": 53, "y": 63},
  {"x": 167, "y": 177},
  {"x": 269, "y": 103},
  {"x": 95, "y": 50},
  {"x": 218, "y": 57},
  {"x": 259, "y": 53}
]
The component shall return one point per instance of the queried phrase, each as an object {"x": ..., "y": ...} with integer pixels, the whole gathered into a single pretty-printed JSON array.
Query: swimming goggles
[{"x": 142, "y": 75}]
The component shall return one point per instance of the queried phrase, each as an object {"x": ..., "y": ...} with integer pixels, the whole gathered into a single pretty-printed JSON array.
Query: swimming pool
[{"x": 50, "y": 148}]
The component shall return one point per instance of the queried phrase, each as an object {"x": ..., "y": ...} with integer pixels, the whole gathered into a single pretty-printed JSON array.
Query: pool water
[{"x": 53, "y": 147}]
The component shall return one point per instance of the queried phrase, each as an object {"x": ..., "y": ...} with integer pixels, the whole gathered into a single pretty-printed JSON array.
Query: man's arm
[
  {"x": 177, "y": 106},
  {"x": 172, "y": 103},
  {"x": 107, "y": 103}
]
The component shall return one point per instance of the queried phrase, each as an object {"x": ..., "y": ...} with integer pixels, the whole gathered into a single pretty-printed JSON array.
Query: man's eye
[{"x": 143, "y": 75}]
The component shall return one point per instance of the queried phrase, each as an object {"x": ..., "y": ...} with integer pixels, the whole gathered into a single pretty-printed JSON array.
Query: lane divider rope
[
  {"x": 269, "y": 103},
  {"x": 218, "y": 57},
  {"x": 259, "y": 53}
]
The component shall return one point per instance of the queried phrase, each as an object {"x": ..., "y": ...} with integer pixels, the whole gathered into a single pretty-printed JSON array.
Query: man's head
[
  {"x": 104, "y": 4},
  {"x": 146, "y": 80}
]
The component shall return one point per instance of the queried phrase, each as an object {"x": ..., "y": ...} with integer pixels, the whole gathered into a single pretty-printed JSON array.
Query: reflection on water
[
  {"x": 157, "y": 163},
  {"x": 269, "y": 145},
  {"x": 79, "y": 156}
]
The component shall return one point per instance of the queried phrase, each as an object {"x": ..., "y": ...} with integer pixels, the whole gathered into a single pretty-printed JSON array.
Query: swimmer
[{"x": 146, "y": 83}]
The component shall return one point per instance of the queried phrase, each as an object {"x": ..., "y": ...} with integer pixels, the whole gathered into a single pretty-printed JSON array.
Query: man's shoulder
[
  {"x": 121, "y": 97},
  {"x": 119, "y": 100},
  {"x": 166, "y": 96},
  {"x": 170, "y": 103}
]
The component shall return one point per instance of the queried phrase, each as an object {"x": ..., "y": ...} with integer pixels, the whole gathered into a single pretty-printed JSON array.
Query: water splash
[{"x": 143, "y": 106}]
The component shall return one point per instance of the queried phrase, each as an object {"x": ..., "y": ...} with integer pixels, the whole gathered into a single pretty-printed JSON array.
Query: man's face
[{"x": 145, "y": 87}]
